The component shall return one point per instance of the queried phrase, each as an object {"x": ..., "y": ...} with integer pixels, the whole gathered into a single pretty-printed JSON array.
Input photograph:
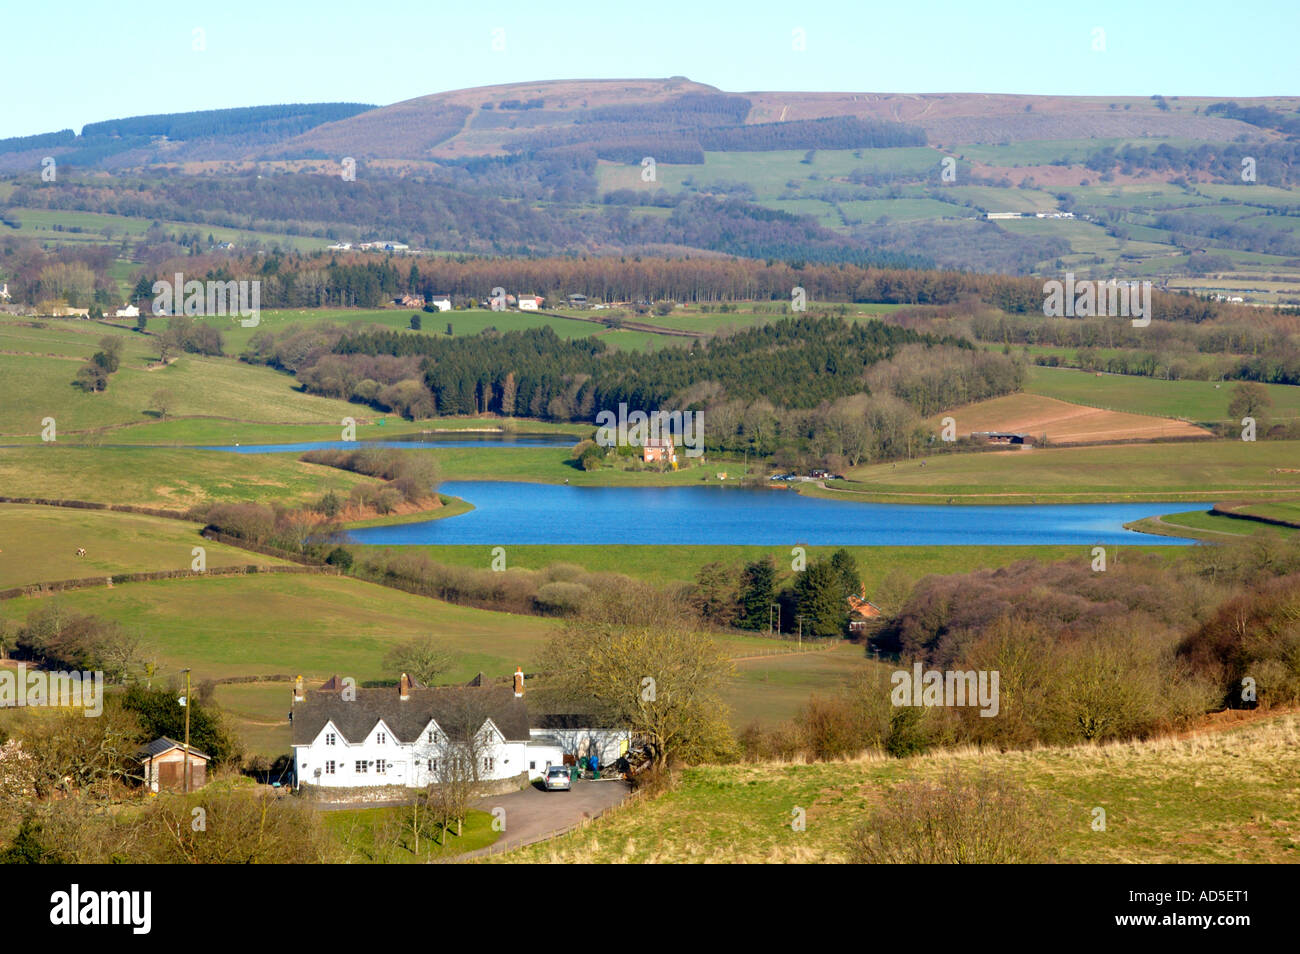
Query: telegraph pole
[{"x": 185, "y": 768}]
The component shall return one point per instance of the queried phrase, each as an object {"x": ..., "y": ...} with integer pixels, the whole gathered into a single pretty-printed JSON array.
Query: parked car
[{"x": 557, "y": 779}]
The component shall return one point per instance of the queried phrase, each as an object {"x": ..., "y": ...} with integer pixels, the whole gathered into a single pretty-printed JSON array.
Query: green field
[
  {"x": 1204, "y": 470},
  {"x": 1197, "y": 401},
  {"x": 681, "y": 564},
  {"x": 39, "y": 544},
  {"x": 101, "y": 227},
  {"x": 376, "y": 836},
  {"x": 171, "y": 478},
  {"x": 768, "y": 172},
  {"x": 1166, "y": 801},
  {"x": 317, "y": 626},
  {"x": 35, "y": 386}
]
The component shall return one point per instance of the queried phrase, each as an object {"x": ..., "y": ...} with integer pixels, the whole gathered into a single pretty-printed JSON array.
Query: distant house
[
  {"x": 65, "y": 311},
  {"x": 127, "y": 311},
  {"x": 1004, "y": 215},
  {"x": 348, "y": 737},
  {"x": 410, "y": 301},
  {"x": 441, "y": 302},
  {"x": 577, "y": 301},
  {"x": 339, "y": 247},
  {"x": 530, "y": 302},
  {"x": 4, "y": 290},
  {"x": 861, "y": 610},
  {"x": 658, "y": 449},
  {"x": 164, "y": 762},
  {"x": 396, "y": 247}
]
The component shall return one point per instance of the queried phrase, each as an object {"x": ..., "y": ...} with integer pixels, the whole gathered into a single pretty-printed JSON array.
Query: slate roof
[
  {"x": 407, "y": 718},
  {"x": 163, "y": 744}
]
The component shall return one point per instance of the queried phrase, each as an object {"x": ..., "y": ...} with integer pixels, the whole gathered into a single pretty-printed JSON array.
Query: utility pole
[
  {"x": 801, "y": 631},
  {"x": 185, "y": 767},
  {"x": 777, "y": 607}
]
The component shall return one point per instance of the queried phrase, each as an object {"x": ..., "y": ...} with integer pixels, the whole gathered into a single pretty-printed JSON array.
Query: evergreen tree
[
  {"x": 757, "y": 593},
  {"x": 819, "y": 599},
  {"x": 846, "y": 567}
]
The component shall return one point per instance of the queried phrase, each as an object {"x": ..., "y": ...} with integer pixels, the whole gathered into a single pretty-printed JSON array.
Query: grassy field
[
  {"x": 1208, "y": 526},
  {"x": 1166, "y": 801},
  {"x": 1201, "y": 401},
  {"x": 316, "y": 626},
  {"x": 662, "y": 565},
  {"x": 1130, "y": 472},
  {"x": 40, "y": 543},
  {"x": 376, "y": 836},
  {"x": 768, "y": 689},
  {"x": 1276, "y": 510},
  {"x": 171, "y": 478},
  {"x": 40, "y": 224},
  {"x": 35, "y": 385}
]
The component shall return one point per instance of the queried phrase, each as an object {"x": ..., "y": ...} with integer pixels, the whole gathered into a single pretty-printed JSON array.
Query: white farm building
[{"x": 413, "y": 736}]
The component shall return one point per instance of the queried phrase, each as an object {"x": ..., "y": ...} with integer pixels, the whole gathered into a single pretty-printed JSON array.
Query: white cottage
[{"x": 410, "y": 735}]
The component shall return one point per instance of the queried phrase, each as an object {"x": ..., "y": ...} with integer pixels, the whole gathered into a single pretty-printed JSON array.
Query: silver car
[{"x": 556, "y": 779}]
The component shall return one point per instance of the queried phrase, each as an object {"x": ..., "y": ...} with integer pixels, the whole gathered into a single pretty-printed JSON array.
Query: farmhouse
[
  {"x": 409, "y": 301},
  {"x": 413, "y": 735},
  {"x": 164, "y": 762},
  {"x": 441, "y": 302},
  {"x": 127, "y": 311},
  {"x": 530, "y": 302},
  {"x": 861, "y": 610},
  {"x": 658, "y": 449}
]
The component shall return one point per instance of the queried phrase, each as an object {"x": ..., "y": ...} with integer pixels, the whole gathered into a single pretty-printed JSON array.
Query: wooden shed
[{"x": 164, "y": 765}]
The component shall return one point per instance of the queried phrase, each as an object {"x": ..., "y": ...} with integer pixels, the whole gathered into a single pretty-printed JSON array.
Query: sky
[{"x": 86, "y": 60}]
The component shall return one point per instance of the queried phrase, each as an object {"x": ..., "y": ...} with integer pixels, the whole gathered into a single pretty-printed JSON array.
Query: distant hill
[
  {"x": 495, "y": 120},
  {"x": 1201, "y": 190},
  {"x": 143, "y": 140}
]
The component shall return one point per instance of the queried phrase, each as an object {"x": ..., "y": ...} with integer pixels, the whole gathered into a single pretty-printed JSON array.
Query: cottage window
[
  {"x": 380, "y": 738},
  {"x": 381, "y": 767},
  {"x": 329, "y": 738},
  {"x": 433, "y": 765},
  {"x": 488, "y": 763},
  {"x": 329, "y": 768},
  {"x": 361, "y": 768}
]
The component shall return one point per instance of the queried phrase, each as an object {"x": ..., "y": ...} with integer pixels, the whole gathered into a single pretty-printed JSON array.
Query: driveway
[{"x": 534, "y": 815}]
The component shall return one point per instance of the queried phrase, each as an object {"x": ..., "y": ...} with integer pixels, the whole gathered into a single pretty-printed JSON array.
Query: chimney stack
[
  {"x": 519, "y": 682},
  {"x": 404, "y": 687},
  {"x": 297, "y": 690}
]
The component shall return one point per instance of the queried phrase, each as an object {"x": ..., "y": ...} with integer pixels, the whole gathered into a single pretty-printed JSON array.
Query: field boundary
[
  {"x": 1224, "y": 510},
  {"x": 147, "y": 576}
]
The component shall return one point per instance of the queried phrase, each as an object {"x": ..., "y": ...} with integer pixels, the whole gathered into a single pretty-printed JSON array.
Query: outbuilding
[{"x": 164, "y": 763}]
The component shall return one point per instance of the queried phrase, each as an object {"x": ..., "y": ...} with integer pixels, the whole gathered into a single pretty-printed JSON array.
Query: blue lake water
[{"x": 510, "y": 512}]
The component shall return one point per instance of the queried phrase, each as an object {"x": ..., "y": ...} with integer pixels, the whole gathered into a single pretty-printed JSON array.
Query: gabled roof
[
  {"x": 163, "y": 744},
  {"x": 407, "y": 718}
]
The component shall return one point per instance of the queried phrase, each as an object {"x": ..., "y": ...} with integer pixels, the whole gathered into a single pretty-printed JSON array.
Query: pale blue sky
[{"x": 87, "y": 60}]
